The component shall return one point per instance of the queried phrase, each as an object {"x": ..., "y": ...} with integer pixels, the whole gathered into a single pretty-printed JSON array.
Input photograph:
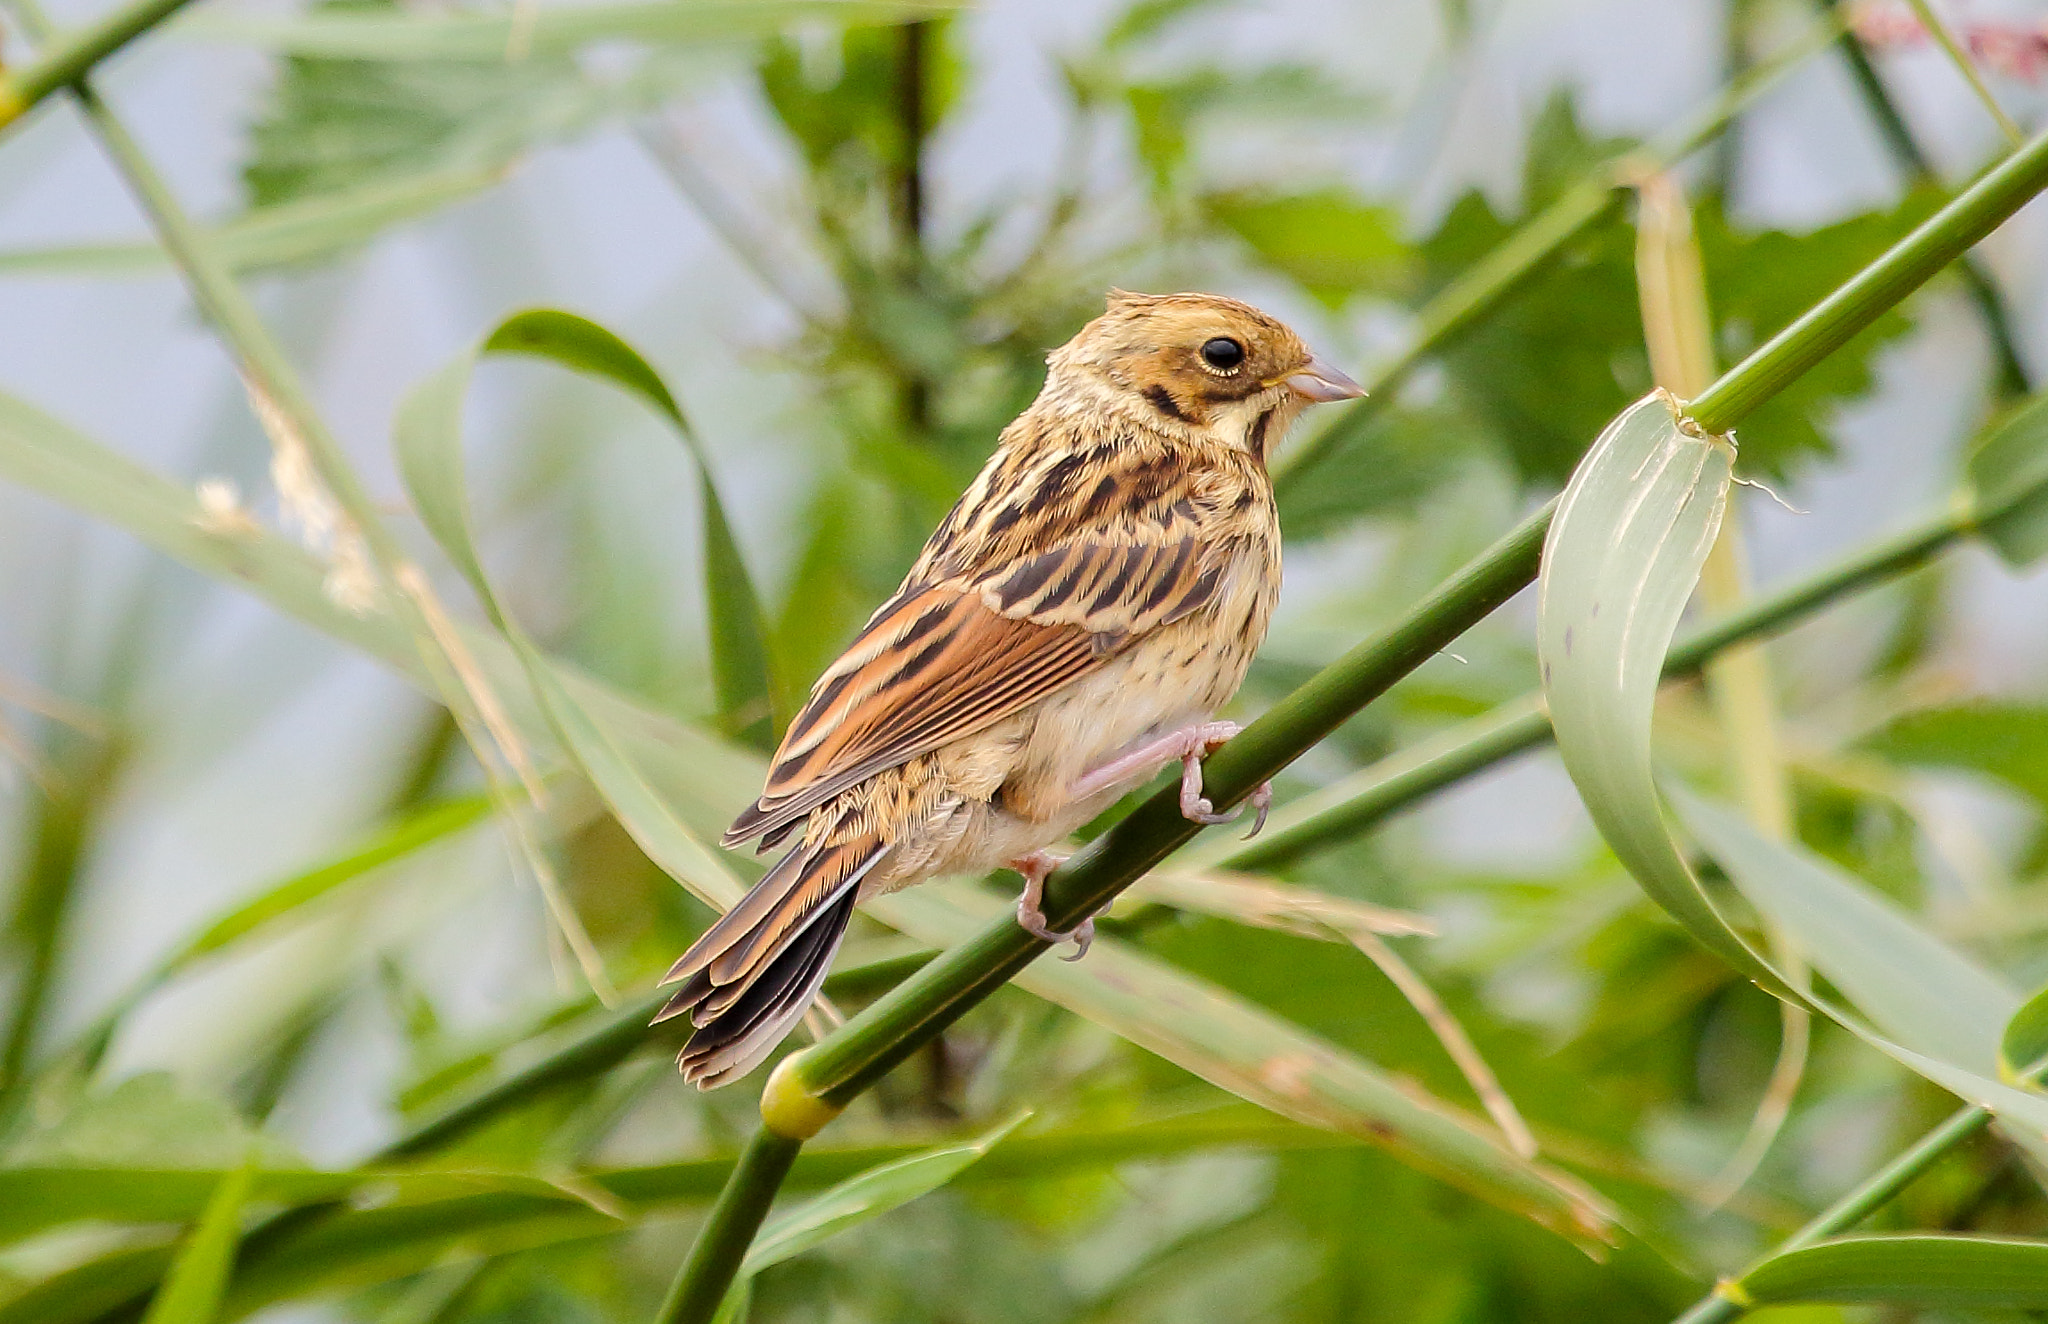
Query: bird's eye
[{"x": 1222, "y": 353}]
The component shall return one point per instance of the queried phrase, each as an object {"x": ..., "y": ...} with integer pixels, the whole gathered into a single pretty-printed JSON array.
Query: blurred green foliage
[{"x": 1636, "y": 1056}]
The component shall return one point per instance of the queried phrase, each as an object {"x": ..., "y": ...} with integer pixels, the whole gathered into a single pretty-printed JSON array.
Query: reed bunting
[{"x": 1073, "y": 624}]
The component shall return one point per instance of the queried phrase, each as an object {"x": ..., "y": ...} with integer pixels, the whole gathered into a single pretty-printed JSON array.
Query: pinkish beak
[{"x": 1321, "y": 383}]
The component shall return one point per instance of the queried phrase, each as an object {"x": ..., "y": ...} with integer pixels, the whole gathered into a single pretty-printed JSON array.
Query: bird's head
[{"x": 1200, "y": 362}]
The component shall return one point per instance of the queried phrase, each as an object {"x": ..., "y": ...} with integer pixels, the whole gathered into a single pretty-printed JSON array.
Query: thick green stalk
[
  {"x": 1907, "y": 265},
  {"x": 1530, "y": 250},
  {"x": 74, "y": 56},
  {"x": 1372, "y": 795},
  {"x": 1725, "y": 1302},
  {"x": 706, "y": 1276}
]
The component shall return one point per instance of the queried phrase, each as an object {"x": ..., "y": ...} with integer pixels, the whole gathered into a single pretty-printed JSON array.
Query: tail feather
[
  {"x": 733, "y": 1042},
  {"x": 755, "y": 970}
]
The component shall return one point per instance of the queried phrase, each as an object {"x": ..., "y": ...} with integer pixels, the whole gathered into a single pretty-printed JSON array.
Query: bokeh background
[{"x": 736, "y": 209}]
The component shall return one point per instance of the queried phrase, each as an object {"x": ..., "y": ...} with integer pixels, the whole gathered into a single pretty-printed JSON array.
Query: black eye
[{"x": 1222, "y": 353}]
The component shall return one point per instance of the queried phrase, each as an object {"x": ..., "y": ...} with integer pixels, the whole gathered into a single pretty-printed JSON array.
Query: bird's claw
[
  {"x": 1031, "y": 918},
  {"x": 1196, "y": 807}
]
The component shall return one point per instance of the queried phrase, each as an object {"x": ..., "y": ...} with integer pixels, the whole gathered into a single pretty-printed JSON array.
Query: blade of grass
[
  {"x": 1965, "y": 66},
  {"x": 428, "y": 437},
  {"x": 192, "y": 1288},
  {"x": 1936, "y": 1272}
]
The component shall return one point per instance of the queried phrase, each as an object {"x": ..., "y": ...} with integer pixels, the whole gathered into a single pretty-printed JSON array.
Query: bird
[{"x": 1072, "y": 626}]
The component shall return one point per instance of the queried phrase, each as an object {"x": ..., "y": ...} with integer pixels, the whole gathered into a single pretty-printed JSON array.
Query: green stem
[
  {"x": 73, "y": 57},
  {"x": 1373, "y": 794},
  {"x": 707, "y": 1275},
  {"x": 1871, "y": 1194},
  {"x": 1906, "y": 266},
  {"x": 1530, "y": 250},
  {"x": 2013, "y": 377}
]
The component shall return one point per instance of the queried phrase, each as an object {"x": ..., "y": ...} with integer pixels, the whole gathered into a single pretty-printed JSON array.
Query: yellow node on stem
[{"x": 788, "y": 1108}]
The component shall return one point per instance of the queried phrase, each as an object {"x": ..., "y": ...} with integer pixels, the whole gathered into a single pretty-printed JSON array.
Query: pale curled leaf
[
  {"x": 1623, "y": 556},
  {"x": 1632, "y": 530}
]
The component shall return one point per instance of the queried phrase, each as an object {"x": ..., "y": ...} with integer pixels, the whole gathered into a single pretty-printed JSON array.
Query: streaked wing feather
[{"x": 943, "y": 660}]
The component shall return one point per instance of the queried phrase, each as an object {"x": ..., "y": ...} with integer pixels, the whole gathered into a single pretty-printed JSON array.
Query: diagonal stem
[{"x": 69, "y": 58}]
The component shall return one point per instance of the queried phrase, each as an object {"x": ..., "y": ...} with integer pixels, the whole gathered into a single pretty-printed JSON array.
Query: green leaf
[
  {"x": 1919, "y": 1270},
  {"x": 739, "y": 650},
  {"x": 2009, "y": 474},
  {"x": 1631, "y": 533},
  {"x": 428, "y": 435},
  {"x": 191, "y": 1291},
  {"x": 1330, "y": 242},
  {"x": 2008, "y": 741},
  {"x": 873, "y": 1193},
  {"x": 2023, "y": 1048},
  {"x": 1921, "y": 992},
  {"x": 389, "y": 33},
  {"x": 413, "y": 832}
]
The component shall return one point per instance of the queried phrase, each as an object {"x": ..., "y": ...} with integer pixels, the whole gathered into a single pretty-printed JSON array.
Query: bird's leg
[
  {"x": 1189, "y": 744},
  {"x": 1031, "y": 919}
]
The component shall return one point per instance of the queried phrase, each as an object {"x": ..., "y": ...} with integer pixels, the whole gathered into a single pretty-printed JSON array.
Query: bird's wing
[{"x": 943, "y": 660}]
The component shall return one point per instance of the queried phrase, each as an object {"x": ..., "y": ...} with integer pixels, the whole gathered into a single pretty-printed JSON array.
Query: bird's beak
[{"x": 1320, "y": 382}]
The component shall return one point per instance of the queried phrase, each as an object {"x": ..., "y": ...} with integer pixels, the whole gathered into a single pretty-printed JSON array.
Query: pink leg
[
  {"x": 1031, "y": 918},
  {"x": 1190, "y": 745}
]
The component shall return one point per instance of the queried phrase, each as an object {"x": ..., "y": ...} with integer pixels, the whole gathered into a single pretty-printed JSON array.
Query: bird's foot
[
  {"x": 1031, "y": 918},
  {"x": 1202, "y": 741}
]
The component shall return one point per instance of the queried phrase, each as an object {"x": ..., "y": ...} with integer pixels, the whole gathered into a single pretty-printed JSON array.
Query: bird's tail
[{"x": 755, "y": 970}]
